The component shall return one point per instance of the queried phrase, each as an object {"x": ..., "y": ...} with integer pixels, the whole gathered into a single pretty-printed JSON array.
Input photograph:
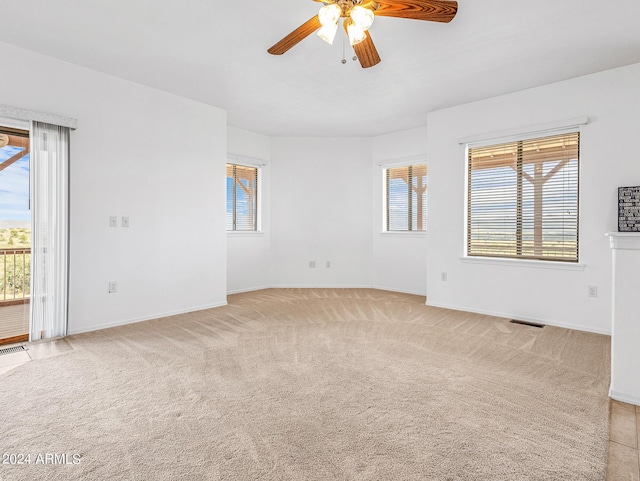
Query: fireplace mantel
[{"x": 625, "y": 316}]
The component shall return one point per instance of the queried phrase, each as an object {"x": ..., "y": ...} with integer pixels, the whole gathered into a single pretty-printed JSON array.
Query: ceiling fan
[{"x": 358, "y": 16}]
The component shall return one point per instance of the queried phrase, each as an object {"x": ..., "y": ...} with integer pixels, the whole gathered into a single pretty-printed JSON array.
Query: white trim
[
  {"x": 315, "y": 286},
  {"x": 151, "y": 317},
  {"x": 245, "y": 233},
  {"x": 244, "y": 160},
  {"x": 537, "y": 264},
  {"x": 564, "y": 325},
  {"x": 399, "y": 291},
  {"x": 624, "y": 397},
  {"x": 248, "y": 289},
  {"x": 524, "y": 133},
  {"x": 375, "y": 288},
  {"x": 319, "y": 286},
  {"x": 404, "y": 233},
  {"x": 624, "y": 240},
  {"x": 403, "y": 161},
  {"x": 17, "y": 113}
]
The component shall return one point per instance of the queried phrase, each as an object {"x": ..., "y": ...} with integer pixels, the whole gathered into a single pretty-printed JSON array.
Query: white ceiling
[{"x": 216, "y": 52}]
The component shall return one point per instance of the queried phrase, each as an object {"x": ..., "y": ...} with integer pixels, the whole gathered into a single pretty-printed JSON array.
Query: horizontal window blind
[
  {"x": 242, "y": 198},
  {"x": 523, "y": 199},
  {"x": 406, "y": 196}
]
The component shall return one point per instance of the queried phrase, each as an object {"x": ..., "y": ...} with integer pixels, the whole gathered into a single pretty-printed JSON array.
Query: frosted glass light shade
[
  {"x": 328, "y": 32},
  {"x": 356, "y": 34},
  {"x": 362, "y": 17},
  {"x": 329, "y": 14}
]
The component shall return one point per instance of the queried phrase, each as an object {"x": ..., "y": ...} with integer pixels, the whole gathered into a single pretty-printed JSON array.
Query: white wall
[
  {"x": 399, "y": 259},
  {"x": 139, "y": 152},
  {"x": 248, "y": 253},
  {"x": 321, "y": 211},
  {"x": 608, "y": 160}
]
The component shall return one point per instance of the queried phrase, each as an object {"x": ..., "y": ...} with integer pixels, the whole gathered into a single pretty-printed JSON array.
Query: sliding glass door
[{"x": 15, "y": 235}]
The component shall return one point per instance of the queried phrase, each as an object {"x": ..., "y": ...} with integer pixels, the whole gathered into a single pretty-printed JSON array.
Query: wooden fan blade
[
  {"x": 367, "y": 53},
  {"x": 299, "y": 34},
  {"x": 430, "y": 10}
]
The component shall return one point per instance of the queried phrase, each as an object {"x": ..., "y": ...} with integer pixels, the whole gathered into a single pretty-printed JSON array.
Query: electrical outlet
[
  {"x": 125, "y": 221},
  {"x": 443, "y": 276},
  {"x": 113, "y": 221},
  {"x": 592, "y": 291},
  {"x": 312, "y": 264},
  {"x": 113, "y": 287}
]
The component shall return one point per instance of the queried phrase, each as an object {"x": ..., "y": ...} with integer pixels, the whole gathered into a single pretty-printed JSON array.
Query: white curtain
[{"x": 49, "y": 230}]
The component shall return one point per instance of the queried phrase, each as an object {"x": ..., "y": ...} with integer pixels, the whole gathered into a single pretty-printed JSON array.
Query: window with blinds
[
  {"x": 406, "y": 198},
  {"x": 523, "y": 199},
  {"x": 242, "y": 198}
]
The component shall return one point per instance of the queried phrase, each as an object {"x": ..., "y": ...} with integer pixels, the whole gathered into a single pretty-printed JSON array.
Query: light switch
[
  {"x": 125, "y": 222},
  {"x": 113, "y": 221}
]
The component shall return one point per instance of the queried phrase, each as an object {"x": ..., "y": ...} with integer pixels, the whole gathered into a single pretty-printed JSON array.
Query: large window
[
  {"x": 523, "y": 199},
  {"x": 242, "y": 198},
  {"x": 406, "y": 198}
]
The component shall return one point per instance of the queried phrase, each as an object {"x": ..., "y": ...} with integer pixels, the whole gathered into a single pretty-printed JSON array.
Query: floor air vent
[
  {"x": 527, "y": 323},
  {"x": 11, "y": 350}
]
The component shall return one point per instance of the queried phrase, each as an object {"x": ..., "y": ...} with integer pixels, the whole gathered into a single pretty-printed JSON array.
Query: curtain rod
[
  {"x": 243, "y": 159},
  {"x": 536, "y": 129}
]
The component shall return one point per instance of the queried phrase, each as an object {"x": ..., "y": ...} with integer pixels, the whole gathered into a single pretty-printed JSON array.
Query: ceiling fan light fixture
[
  {"x": 328, "y": 33},
  {"x": 363, "y": 12},
  {"x": 362, "y": 17}
]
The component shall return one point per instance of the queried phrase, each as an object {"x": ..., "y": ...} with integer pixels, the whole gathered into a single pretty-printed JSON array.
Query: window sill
[
  {"x": 248, "y": 233},
  {"x": 557, "y": 265},
  {"x": 408, "y": 233}
]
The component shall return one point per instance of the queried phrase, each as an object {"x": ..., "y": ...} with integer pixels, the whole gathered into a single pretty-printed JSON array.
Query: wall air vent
[{"x": 11, "y": 350}]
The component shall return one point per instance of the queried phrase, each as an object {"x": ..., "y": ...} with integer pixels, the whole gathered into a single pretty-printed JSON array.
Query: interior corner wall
[
  {"x": 321, "y": 212},
  {"x": 608, "y": 160},
  {"x": 154, "y": 157},
  {"x": 399, "y": 259},
  {"x": 248, "y": 254}
]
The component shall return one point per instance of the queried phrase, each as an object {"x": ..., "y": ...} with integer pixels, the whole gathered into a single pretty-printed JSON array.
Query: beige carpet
[{"x": 314, "y": 385}]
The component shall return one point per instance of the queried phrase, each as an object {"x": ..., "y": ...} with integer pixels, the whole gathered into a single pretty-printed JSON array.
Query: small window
[
  {"x": 523, "y": 199},
  {"x": 406, "y": 198},
  {"x": 242, "y": 198}
]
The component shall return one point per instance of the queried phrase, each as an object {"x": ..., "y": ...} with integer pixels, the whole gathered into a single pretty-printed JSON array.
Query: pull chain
[{"x": 344, "y": 60}]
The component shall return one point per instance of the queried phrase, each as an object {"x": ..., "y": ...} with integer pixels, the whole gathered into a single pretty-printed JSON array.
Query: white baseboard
[
  {"x": 332, "y": 286},
  {"x": 625, "y": 397},
  {"x": 554, "y": 323},
  {"x": 248, "y": 289},
  {"x": 319, "y": 286},
  {"x": 150, "y": 317},
  {"x": 400, "y": 291}
]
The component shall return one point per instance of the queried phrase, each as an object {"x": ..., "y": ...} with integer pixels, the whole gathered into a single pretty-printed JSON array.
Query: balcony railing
[{"x": 15, "y": 276}]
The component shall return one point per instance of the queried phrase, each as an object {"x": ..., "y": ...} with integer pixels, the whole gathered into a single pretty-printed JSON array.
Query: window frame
[
  {"x": 410, "y": 164},
  {"x": 258, "y": 198},
  {"x": 518, "y": 139}
]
